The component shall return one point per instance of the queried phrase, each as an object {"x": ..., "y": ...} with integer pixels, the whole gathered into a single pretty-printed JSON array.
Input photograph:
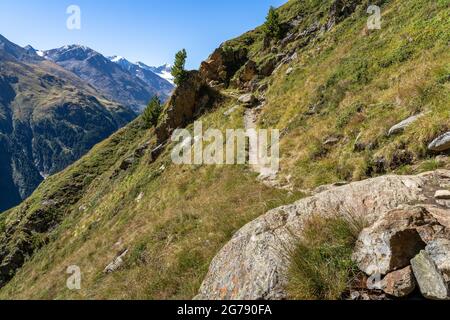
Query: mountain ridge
[{"x": 118, "y": 82}]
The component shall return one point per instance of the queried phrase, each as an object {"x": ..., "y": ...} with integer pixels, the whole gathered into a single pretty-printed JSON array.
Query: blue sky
[{"x": 140, "y": 30}]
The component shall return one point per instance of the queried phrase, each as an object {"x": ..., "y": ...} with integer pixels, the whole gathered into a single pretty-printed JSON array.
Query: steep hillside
[
  {"x": 48, "y": 119},
  {"x": 116, "y": 81},
  {"x": 139, "y": 226}
]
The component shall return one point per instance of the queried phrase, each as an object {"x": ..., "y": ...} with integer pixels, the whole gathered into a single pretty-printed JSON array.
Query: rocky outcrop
[
  {"x": 186, "y": 103},
  {"x": 249, "y": 71},
  {"x": 268, "y": 66},
  {"x": 223, "y": 64},
  {"x": 253, "y": 265},
  {"x": 247, "y": 77},
  {"x": 397, "y": 238},
  {"x": 341, "y": 9},
  {"x": 411, "y": 235},
  {"x": 228, "y": 66}
]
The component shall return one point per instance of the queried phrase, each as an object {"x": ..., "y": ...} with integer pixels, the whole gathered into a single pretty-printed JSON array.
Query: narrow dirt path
[{"x": 266, "y": 174}]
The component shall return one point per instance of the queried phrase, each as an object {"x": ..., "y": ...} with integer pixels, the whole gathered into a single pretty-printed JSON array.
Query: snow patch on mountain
[
  {"x": 164, "y": 71},
  {"x": 167, "y": 75},
  {"x": 117, "y": 58}
]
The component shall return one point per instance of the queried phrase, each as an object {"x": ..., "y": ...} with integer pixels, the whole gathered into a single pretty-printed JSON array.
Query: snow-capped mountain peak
[
  {"x": 117, "y": 58},
  {"x": 124, "y": 63},
  {"x": 120, "y": 60},
  {"x": 139, "y": 68},
  {"x": 164, "y": 71}
]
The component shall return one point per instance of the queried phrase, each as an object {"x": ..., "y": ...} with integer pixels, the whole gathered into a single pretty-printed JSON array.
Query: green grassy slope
[
  {"x": 345, "y": 83},
  {"x": 354, "y": 84},
  {"x": 185, "y": 215}
]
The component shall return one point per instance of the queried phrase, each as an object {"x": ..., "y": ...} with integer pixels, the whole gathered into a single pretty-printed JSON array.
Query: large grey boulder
[
  {"x": 253, "y": 264},
  {"x": 400, "y": 127},
  {"x": 431, "y": 282},
  {"x": 441, "y": 143}
]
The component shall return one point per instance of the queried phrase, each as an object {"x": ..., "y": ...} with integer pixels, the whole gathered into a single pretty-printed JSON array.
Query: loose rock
[
  {"x": 116, "y": 264},
  {"x": 331, "y": 141},
  {"x": 441, "y": 159},
  {"x": 230, "y": 111},
  {"x": 442, "y": 195},
  {"x": 139, "y": 197},
  {"x": 399, "y": 283},
  {"x": 441, "y": 143},
  {"x": 439, "y": 251},
  {"x": 431, "y": 282},
  {"x": 404, "y": 124},
  {"x": 247, "y": 99},
  {"x": 127, "y": 163}
]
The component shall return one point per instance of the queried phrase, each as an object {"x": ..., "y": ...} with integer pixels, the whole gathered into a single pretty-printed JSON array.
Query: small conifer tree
[
  {"x": 151, "y": 114},
  {"x": 178, "y": 70},
  {"x": 272, "y": 26}
]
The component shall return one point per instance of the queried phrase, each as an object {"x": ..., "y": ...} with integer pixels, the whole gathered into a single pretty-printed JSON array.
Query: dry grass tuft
[{"x": 321, "y": 265}]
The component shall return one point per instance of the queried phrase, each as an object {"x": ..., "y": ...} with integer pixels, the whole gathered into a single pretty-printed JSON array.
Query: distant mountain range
[
  {"x": 55, "y": 105},
  {"x": 132, "y": 85}
]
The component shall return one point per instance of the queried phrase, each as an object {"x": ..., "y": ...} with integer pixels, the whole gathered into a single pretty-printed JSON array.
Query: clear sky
[{"x": 150, "y": 31}]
